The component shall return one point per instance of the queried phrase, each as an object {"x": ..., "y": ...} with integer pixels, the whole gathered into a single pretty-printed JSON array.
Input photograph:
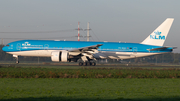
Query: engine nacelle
[{"x": 58, "y": 56}]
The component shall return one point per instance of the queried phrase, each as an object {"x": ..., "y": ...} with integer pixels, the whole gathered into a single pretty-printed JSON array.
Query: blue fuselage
[{"x": 31, "y": 45}]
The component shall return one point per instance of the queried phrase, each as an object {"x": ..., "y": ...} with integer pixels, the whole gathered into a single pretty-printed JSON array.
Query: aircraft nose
[{"x": 4, "y": 48}]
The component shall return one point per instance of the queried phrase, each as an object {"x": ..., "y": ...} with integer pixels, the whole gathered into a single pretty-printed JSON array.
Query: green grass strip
[{"x": 89, "y": 89}]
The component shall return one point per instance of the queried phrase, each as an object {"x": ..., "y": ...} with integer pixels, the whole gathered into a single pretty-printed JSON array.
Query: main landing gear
[
  {"x": 87, "y": 63},
  {"x": 88, "y": 60}
]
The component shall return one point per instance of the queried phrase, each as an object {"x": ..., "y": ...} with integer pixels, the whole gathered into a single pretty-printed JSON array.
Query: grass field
[
  {"x": 68, "y": 83},
  {"x": 89, "y": 89}
]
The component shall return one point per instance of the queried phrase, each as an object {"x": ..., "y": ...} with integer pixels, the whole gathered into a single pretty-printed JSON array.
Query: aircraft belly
[
  {"x": 41, "y": 53},
  {"x": 121, "y": 55},
  {"x": 118, "y": 55},
  {"x": 112, "y": 55},
  {"x": 74, "y": 53}
]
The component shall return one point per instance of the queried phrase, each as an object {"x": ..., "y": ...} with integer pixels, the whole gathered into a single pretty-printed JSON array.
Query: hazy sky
[{"x": 110, "y": 20}]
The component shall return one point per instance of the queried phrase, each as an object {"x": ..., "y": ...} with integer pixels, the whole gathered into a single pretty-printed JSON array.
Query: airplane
[{"x": 86, "y": 52}]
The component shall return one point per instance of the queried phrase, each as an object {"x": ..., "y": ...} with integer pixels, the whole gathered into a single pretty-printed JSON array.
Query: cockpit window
[{"x": 7, "y": 45}]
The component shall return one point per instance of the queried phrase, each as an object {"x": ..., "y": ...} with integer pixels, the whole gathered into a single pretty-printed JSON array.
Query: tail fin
[{"x": 158, "y": 36}]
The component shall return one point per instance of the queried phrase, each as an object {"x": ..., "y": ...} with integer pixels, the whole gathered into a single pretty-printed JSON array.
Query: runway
[{"x": 75, "y": 65}]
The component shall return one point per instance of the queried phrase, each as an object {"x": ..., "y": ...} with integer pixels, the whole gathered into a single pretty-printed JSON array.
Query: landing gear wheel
[
  {"x": 80, "y": 63},
  {"x": 89, "y": 63},
  {"x": 93, "y": 64},
  {"x": 85, "y": 63}
]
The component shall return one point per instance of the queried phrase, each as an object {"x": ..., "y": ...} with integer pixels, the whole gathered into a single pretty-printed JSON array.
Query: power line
[
  {"x": 95, "y": 34},
  {"x": 35, "y": 32},
  {"x": 43, "y": 38}
]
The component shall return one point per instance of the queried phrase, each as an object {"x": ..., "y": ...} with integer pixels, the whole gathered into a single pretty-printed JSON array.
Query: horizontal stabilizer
[{"x": 154, "y": 49}]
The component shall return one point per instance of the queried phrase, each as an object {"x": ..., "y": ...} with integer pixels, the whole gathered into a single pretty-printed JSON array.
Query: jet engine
[{"x": 60, "y": 56}]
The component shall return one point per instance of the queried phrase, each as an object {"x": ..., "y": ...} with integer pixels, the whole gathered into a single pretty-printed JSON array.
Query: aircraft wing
[
  {"x": 88, "y": 48},
  {"x": 161, "y": 48}
]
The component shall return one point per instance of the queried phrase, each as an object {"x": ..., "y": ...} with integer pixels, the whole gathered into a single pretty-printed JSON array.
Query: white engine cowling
[{"x": 58, "y": 56}]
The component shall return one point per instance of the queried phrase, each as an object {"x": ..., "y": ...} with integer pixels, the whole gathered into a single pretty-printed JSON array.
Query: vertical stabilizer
[{"x": 158, "y": 36}]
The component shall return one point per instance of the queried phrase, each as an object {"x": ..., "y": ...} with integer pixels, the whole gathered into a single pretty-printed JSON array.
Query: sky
[{"x": 110, "y": 20}]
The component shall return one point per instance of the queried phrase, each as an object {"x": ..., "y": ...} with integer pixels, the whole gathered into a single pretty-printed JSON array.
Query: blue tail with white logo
[{"x": 159, "y": 35}]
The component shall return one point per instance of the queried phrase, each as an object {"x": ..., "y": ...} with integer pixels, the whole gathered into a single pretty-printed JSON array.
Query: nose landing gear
[{"x": 16, "y": 57}]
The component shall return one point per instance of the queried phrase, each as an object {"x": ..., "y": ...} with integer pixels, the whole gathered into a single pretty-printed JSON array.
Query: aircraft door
[
  {"x": 46, "y": 46},
  {"x": 135, "y": 49},
  {"x": 46, "y": 52},
  {"x": 18, "y": 46}
]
